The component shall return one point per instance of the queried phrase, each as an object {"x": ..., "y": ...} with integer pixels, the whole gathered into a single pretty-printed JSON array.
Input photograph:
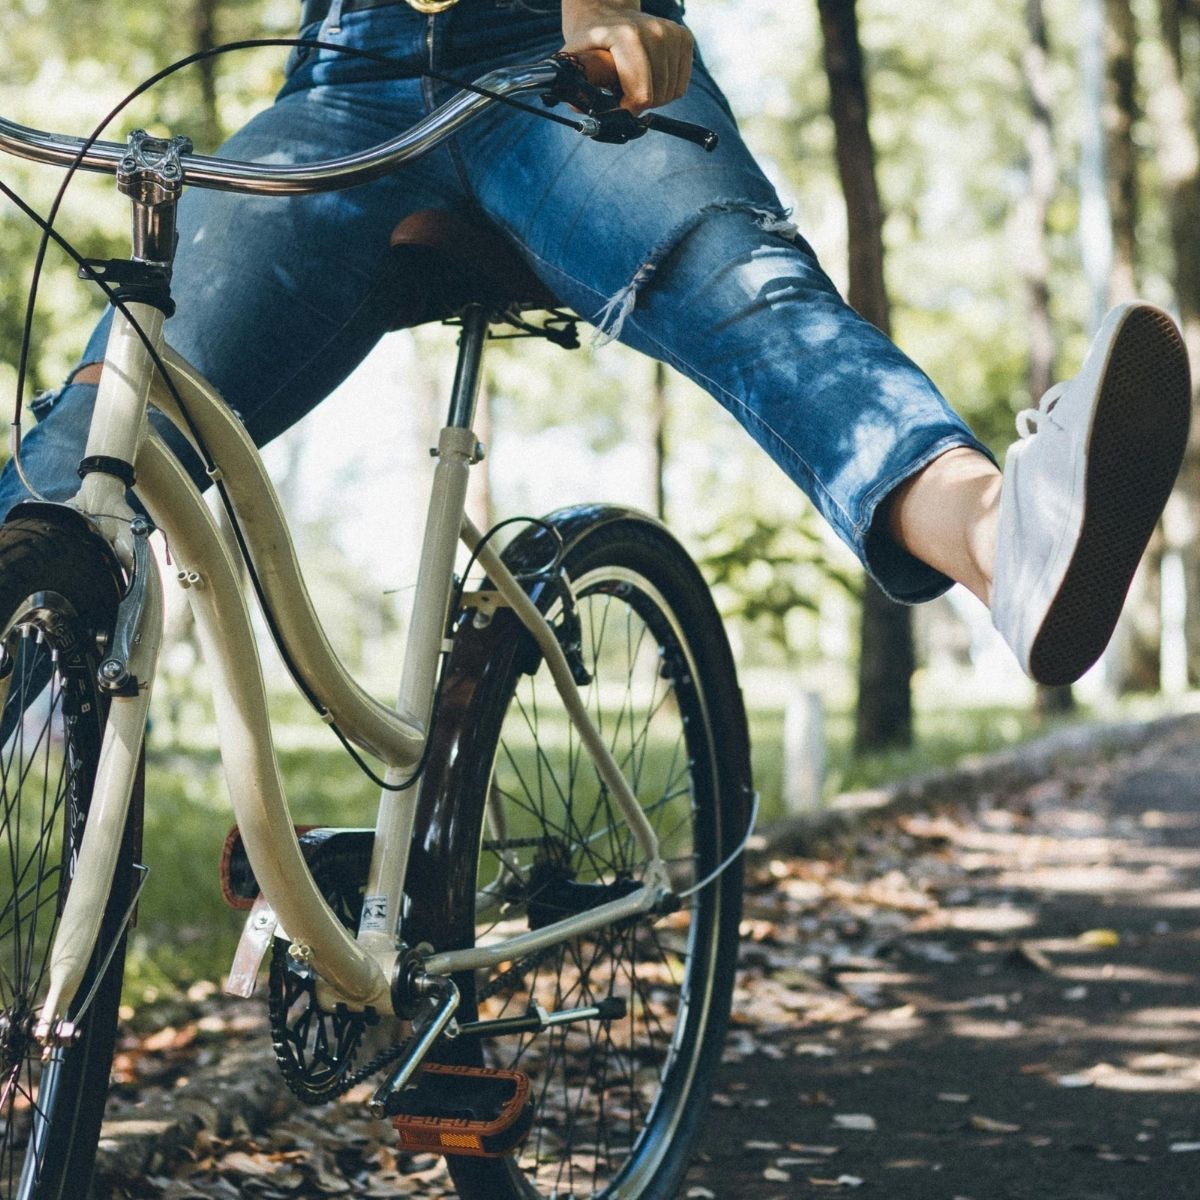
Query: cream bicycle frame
[{"x": 358, "y": 971}]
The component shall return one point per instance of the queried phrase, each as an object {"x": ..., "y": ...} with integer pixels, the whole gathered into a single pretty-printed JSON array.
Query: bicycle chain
[
  {"x": 294, "y": 1078},
  {"x": 515, "y": 975}
]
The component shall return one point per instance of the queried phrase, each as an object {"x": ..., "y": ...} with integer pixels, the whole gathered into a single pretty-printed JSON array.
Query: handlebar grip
[{"x": 697, "y": 134}]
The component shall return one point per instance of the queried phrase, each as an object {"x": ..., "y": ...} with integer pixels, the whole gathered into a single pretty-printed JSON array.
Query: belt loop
[{"x": 333, "y": 19}]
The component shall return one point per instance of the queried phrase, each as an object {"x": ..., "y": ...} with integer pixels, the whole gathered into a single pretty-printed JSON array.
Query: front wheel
[
  {"x": 526, "y": 833},
  {"x": 59, "y": 589}
]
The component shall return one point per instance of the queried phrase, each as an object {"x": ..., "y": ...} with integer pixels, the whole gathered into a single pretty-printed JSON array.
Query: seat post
[{"x": 475, "y": 322}]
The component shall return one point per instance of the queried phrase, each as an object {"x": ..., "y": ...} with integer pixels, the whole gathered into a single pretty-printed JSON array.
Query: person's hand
[{"x": 653, "y": 56}]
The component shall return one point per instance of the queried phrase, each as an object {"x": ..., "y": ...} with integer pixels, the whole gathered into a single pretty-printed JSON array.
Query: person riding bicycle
[{"x": 687, "y": 256}]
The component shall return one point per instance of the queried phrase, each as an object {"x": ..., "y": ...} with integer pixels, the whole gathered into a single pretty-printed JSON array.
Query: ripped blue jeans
[{"x": 685, "y": 255}]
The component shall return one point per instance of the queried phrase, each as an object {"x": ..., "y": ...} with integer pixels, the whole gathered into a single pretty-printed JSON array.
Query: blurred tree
[
  {"x": 1120, "y": 119},
  {"x": 1134, "y": 662},
  {"x": 204, "y": 37},
  {"x": 658, "y": 415},
  {"x": 1030, "y": 217},
  {"x": 765, "y": 569},
  {"x": 1178, "y": 120},
  {"x": 883, "y": 714}
]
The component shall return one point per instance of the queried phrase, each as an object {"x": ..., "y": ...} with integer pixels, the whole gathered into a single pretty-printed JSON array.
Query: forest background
[{"x": 983, "y": 179}]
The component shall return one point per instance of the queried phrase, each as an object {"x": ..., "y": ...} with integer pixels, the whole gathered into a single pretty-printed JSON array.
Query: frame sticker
[{"x": 374, "y": 914}]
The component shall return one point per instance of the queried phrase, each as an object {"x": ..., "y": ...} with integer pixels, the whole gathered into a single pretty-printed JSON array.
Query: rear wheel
[
  {"x": 532, "y": 835},
  {"x": 58, "y": 593}
]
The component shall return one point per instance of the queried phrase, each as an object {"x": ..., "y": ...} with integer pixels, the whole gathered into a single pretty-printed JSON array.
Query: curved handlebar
[
  {"x": 230, "y": 175},
  {"x": 588, "y": 81}
]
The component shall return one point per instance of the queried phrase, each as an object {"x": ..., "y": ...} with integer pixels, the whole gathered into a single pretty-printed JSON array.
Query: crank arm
[{"x": 427, "y": 1028}]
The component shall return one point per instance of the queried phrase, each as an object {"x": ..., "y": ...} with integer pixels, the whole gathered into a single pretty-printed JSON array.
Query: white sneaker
[{"x": 1083, "y": 489}]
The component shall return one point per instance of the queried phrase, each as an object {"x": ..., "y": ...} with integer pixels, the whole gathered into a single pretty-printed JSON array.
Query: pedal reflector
[{"x": 473, "y": 1111}]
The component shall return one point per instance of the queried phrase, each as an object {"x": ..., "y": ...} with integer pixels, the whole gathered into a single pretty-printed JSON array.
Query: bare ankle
[{"x": 946, "y": 515}]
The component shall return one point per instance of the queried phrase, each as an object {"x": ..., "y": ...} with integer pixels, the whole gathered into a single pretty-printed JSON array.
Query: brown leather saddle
[{"x": 443, "y": 262}]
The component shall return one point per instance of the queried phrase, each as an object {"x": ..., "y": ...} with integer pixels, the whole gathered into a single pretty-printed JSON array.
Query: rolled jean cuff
[{"x": 902, "y": 576}]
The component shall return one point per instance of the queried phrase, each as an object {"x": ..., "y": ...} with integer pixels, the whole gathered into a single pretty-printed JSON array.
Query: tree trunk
[
  {"x": 1030, "y": 214},
  {"x": 658, "y": 439},
  {"x": 1120, "y": 114},
  {"x": 1176, "y": 115},
  {"x": 207, "y": 130},
  {"x": 1133, "y": 662},
  {"x": 1030, "y": 226},
  {"x": 884, "y": 712}
]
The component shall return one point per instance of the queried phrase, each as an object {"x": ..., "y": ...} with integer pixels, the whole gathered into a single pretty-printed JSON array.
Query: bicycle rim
[
  {"x": 51, "y": 732},
  {"x": 617, "y": 1104}
]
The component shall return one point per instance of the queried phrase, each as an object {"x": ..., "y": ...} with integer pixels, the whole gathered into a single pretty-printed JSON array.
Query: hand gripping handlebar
[{"x": 588, "y": 81}]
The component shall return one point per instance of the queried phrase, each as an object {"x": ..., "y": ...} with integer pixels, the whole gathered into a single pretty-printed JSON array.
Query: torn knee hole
[
  {"x": 610, "y": 320},
  {"x": 42, "y": 404},
  {"x": 88, "y": 373}
]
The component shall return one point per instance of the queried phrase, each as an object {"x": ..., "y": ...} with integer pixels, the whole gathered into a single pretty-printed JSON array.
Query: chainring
[{"x": 315, "y": 1047}]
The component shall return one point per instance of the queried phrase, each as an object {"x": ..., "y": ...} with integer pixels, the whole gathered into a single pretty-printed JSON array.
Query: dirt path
[
  {"x": 1000, "y": 1000},
  {"x": 1003, "y": 1001}
]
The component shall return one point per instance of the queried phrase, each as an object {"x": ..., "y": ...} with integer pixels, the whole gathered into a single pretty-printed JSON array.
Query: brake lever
[
  {"x": 572, "y": 87},
  {"x": 611, "y": 124}
]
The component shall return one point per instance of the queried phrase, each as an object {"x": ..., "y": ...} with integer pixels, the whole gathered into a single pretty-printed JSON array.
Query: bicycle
[{"x": 548, "y": 905}]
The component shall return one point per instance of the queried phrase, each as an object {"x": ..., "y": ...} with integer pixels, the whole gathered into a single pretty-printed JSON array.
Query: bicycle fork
[
  {"x": 126, "y": 672},
  {"x": 151, "y": 177}
]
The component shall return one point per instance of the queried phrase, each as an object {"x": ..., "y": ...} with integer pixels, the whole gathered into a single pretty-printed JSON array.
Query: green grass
[
  {"x": 943, "y": 737},
  {"x": 185, "y": 932}
]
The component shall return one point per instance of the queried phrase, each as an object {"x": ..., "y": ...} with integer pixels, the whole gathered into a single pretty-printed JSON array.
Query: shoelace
[{"x": 1028, "y": 418}]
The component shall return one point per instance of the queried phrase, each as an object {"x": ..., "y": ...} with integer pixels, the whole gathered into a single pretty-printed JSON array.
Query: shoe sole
[{"x": 1138, "y": 436}]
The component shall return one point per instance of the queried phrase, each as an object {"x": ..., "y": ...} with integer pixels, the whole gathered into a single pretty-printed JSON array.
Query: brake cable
[{"x": 87, "y": 271}]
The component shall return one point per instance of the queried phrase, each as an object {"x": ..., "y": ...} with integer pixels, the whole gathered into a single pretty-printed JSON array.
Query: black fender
[
  {"x": 536, "y": 547},
  {"x": 441, "y": 869},
  {"x": 70, "y": 520}
]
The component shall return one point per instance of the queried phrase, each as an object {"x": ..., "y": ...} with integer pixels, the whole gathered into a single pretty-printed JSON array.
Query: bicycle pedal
[{"x": 474, "y": 1111}]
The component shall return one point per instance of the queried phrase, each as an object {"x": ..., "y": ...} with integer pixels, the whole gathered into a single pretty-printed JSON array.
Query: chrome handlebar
[{"x": 230, "y": 175}]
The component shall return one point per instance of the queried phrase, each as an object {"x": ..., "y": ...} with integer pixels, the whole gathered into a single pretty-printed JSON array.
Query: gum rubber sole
[{"x": 1138, "y": 437}]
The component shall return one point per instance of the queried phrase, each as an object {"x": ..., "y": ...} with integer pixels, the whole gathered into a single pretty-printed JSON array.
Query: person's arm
[{"x": 653, "y": 56}]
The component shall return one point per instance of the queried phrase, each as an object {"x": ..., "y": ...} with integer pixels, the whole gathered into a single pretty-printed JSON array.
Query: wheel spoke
[
  {"x": 56, "y": 593},
  {"x": 606, "y": 1095}
]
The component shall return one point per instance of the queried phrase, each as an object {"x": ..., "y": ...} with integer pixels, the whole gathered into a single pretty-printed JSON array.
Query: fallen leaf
[
  {"x": 860, "y": 1121},
  {"x": 991, "y": 1125},
  {"x": 814, "y": 1049},
  {"x": 1100, "y": 939}
]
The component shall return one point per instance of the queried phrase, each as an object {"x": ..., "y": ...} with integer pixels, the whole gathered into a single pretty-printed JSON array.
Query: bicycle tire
[
  {"x": 59, "y": 589},
  {"x": 631, "y": 580}
]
